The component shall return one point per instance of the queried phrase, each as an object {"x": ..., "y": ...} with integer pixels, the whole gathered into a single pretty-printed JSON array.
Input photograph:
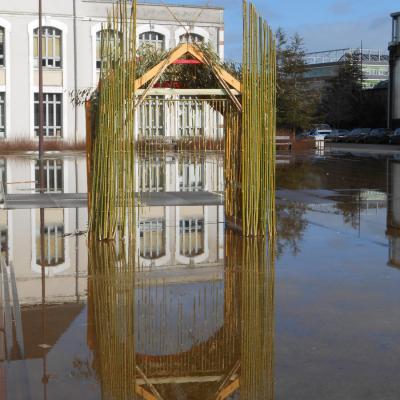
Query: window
[
  {"x": 54, "y": 251},
  {"x": 2, "y": 47},
  {"x": 152, "y": 175},
  {"x": 191, "y": 237},
  {"x": 152, "y": 117},
  {"x": 191, "y": 176},
  {"x": 106, "y": 34},
  {"x": 153, "y": 38},
  {"x": 51, "y": 44},
  {"x": 191, "y": 38},
  {"x": 2, "y": 114},
  {"x": 152, "y": 239},
  {"x": 53, "y": 176},
  {"x": 4, "y": 235},
  {"x": 52, "y": 122},
  {"x": 190, "y": 116},
  {"x": 3, "y": 174}
]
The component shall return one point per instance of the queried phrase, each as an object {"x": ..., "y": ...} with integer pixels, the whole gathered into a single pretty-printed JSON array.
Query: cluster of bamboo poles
[
  {"x": 111, "y": 303},
  {"x": 254, "y": 164},
  {"x": 252, "y": 283},
  {"x": 112, "y": 150}
]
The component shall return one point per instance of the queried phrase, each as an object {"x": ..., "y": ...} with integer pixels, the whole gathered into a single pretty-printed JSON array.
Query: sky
[{"x": 323, "y": 24}]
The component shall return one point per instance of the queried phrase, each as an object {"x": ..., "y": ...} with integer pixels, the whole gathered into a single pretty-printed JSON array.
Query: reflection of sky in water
[
  {"x": 337, "y": 318},
  {"x": 174, "y": 318}
]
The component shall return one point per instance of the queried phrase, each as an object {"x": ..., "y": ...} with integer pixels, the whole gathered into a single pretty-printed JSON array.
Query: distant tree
[
  {"x": 342, "y": 98},
  {"x": 295, "y": 98}
]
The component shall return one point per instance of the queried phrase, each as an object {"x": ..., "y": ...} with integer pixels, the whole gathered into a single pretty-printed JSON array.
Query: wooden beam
[
  {"x": 226, "y": 76},
  {"x": 175, "y": 55},
  {"x": 230, "y": 389},
  {"x": 186, "y": 92},
  {"x": 150, "y": 74},
  {"x": 144, "y": 393}
]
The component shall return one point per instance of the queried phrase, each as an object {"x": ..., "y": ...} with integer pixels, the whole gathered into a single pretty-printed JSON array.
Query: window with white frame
[
  {"x": 152, "y": 117},
  {"x": 152, "y": 239},
  {"x": 191, "y": 236},
  {"x": 53, "y": 239},
  {"x": 190, "y": 116},
  {"x": 51, "y": 47},
  {"x": 191, "y": 176},
  {"x": 2, "y": 47},
  {"x": 53, "y": 176},
  {"x": 2, "y": 114},
  {"x": 108, "y": 36},
  {"x": 4, "y": 235},
  {"x": 152, "y": 175},
  {"x": 52, "y": 118},
  {"x": 3, "y": 174},
  {"x": 191, "y": 38},
  {"x": 153, "y": 38}
]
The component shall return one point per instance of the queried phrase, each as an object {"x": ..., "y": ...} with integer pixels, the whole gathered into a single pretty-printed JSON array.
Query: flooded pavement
[{"x": 194, "y": 311}]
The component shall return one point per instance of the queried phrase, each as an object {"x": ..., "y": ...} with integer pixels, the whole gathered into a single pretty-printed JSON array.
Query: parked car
[
  {"x": 319, "y": 130},
  {"x": 356, "y": 135},
  {"x": 336, "y": 135},
  {"x": 378, "y": 136},
  {"x": 395, "y": 138}
]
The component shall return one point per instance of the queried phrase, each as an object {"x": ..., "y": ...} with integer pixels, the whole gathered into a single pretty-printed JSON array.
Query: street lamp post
[{"x": 40, "y": 119}]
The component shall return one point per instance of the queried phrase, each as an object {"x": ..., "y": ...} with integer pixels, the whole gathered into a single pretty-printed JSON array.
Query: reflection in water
[
  {"x": 111, "y": 316},
  {"x": 393, "y": 213},
  {"x": 163, "y": 338}
]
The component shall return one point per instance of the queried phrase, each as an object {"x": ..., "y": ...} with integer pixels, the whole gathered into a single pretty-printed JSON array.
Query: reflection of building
[
  {"x": 324, "y": 65},
  {"x": 394, "y": 80},
  {"x": 189, "y": 338},
  {"x": 64, "y": 27},
  {"x": 173, "y": 236},
  {"x": 180, "y": 174},
  {"x": 393, "y": 212}
]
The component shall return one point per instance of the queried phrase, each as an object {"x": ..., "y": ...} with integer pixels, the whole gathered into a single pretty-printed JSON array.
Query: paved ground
[
  {"x": 79, "y": 200},
  {"x": 359, "y": 148}
]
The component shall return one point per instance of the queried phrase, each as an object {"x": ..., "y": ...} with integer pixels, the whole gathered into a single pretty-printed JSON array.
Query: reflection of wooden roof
[{"x": 180, "y": 51}]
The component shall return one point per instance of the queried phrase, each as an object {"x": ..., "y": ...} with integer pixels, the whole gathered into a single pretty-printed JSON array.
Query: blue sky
[{"x": 324, "y": 24}]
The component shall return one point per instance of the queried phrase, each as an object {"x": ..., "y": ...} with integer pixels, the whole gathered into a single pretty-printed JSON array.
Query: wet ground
[{"x": 194, "y": 311}]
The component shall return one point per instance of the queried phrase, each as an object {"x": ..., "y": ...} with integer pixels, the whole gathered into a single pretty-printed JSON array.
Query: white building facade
[{"x": 71, "y": 56}]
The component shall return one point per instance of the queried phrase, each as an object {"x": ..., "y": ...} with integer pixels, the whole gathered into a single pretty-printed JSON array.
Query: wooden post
[{"x": 89, "y": 134}]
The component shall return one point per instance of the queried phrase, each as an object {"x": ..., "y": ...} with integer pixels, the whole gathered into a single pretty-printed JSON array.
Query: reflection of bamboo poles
[
  {"x": 112, "y": 308},
  {"x": 254, "y": 267},
  {"x": 112, "y": 172},
  {"x": 257, "y": 311}
]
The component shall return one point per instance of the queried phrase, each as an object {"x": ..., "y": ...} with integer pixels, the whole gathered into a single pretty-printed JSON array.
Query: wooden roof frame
[{"x": 184, "y": 49}]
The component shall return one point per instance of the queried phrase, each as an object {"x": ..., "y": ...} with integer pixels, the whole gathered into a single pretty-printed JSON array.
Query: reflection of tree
[
  {"x": 291, "y": 226},
  {"x": 350, "y": 211}
]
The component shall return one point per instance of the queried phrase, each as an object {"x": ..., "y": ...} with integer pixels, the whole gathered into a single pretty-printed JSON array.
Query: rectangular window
[
  {"x": 191, "y": 237},
  {"x": 54, "y": 241},
  {"x": 152, "y": 175},
  {"x": 2, "y": 114},
  {"x": 53, "y": 176},
  {"x": 4, "y": 235},
  {"x": 51, "y": 47},
  {"x": 191, "y": 116},
  {"x": 52, "y": 119},
  {"x": 152, "y": 238},
  {"x": 191, "y": 176},
  {"x": 152, "y": 38},
  {"x": 2, "y": 47},
  {"x": 152, "y": 117}
]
